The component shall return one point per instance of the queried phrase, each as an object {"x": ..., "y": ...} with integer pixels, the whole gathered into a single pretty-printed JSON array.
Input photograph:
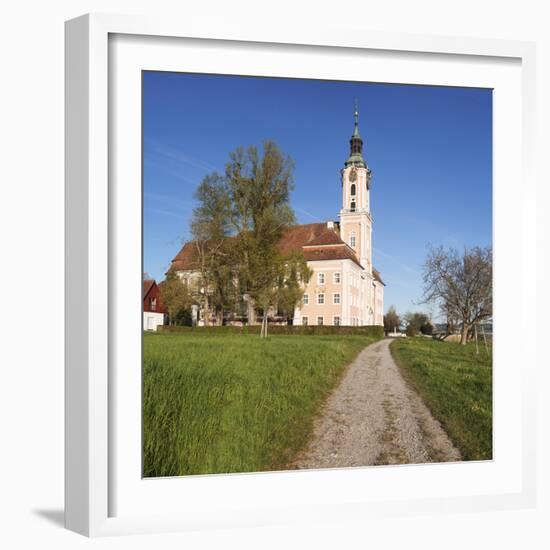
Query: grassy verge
[
  {"x": 215, "y": 404},
  {"x": 456, "y": 385}
]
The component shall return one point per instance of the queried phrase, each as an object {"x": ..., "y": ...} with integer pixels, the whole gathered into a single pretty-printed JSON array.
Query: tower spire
[{"x": 356, "y": 143}]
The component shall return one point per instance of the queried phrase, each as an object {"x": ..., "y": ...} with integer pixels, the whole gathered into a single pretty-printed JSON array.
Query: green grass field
[
  {"x": 235, "y": 403},
  {"x": 456, "y": 385}
]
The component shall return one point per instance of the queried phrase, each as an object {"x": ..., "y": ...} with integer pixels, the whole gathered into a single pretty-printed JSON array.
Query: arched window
[
  {"x": 352, "y": 239},
  {"x": 352, "y": 190},
  {"x": 352, "y": 206}
]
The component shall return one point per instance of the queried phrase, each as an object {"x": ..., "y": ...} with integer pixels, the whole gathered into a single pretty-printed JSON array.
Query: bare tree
[{"x": 461, "y": 284}]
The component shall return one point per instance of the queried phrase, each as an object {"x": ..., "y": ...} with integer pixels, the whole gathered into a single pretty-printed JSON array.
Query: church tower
[{"x": 355, "y": 217}]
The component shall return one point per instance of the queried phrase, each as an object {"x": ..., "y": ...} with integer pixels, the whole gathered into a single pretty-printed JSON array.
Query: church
[{"x": 344, "y": 289}]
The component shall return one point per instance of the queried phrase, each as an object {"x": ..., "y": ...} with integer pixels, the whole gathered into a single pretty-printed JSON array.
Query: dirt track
[{"x": 374, "y": 417}]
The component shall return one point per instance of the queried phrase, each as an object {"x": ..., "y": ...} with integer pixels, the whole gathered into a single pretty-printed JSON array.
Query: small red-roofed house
[{"x": 153, "y": 308}]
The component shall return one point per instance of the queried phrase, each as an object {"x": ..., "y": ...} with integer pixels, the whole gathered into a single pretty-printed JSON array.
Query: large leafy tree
[
  {"x": 210, "y": 227},
  {"x": 251, "y": 203},
  {"x": 461, "y": 283},
  {"x": 259, "y": 186}
]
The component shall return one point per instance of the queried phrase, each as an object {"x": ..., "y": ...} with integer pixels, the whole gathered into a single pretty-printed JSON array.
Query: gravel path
[{"x": 374, "y": 417}]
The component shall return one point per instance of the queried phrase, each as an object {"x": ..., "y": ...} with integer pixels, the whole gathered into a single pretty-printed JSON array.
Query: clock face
[{"x": 353, "y": 175}]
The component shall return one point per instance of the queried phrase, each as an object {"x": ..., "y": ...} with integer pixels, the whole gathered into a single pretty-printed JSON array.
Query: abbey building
[{"x": 345, "y": 288}]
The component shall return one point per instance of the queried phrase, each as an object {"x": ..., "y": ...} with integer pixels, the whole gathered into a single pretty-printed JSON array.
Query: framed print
[{"x": 247, "y": 221}]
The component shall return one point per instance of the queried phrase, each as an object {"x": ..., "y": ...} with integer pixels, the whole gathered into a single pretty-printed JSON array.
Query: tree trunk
[
  {"x": 464, "y": 335},
  {"x": 206, "y": 311},
  {"x": 263, "y": 331},
  {"x": 251, "y": 312}
]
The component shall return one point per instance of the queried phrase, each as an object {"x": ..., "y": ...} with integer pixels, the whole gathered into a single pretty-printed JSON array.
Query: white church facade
[
  {"x": 344, "y": 289},
  {"x": 347, "y": 290}
]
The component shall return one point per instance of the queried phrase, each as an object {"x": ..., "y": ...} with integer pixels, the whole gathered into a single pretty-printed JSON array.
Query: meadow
[
  {"x": 456, "y": 383},
  {"x": 215, "y": 403}
]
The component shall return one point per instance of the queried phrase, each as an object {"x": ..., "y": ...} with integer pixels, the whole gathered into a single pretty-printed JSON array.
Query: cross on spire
[{"x": 356, "y": 119}]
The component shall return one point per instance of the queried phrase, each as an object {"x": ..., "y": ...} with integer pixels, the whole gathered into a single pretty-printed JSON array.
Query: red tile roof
[
  {"x": 147, "y": 286},
  {"x": 342, "y": 252},
  {"x": 311, "y": 234},
  {"x": 317, "y": 241},
  {"x": 186, "y": 259},
  {"x": 151, "y": 292},
  {"x": 377, "y": 277}
]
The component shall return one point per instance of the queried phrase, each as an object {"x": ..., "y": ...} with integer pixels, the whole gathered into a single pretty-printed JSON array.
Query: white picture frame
[{"x": 94, "y": 423}]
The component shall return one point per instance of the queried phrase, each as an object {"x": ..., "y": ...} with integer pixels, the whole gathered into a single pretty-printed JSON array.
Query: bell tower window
[
  {"x": 352, "y": 206},
  {"x": 352, "y": 239},
  {"x": 352, "y": 190}
]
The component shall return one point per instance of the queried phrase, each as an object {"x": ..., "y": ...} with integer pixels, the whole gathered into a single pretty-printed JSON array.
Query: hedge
[{"x": 313, "y": 330}]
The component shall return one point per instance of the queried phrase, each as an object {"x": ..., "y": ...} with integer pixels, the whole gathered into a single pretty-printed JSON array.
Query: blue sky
[{"x": 429, "y": 148}]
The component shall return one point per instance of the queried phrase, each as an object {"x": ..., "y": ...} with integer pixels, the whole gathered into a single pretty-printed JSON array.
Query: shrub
[
  {"x": 313, "y": 330},
  {"x": 184, "y": 318},
  {"x": 427, "y": 328}
]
